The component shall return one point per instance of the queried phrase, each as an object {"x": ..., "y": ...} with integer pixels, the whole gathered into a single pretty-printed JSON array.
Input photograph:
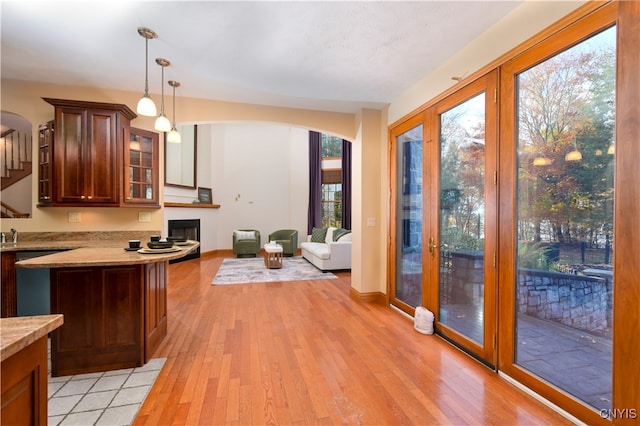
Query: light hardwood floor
[{"x": 304, "y": 352}]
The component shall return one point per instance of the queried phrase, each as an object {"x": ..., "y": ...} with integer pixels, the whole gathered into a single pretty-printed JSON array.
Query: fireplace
[{"x": 189, "y": 228}]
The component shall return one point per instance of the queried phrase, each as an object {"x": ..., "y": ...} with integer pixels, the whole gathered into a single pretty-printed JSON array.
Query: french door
[
  {"x": 462, "y": 228},
  {"x": 446, "y": 224},
  {"x": 408, "y": 170},
  {"x": 561, "y": 238}
]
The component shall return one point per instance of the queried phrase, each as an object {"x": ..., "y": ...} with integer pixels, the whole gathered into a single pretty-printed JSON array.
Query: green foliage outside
[{"x": 331, "y": 146}]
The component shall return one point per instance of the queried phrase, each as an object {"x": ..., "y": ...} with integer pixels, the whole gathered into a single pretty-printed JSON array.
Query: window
[
  {"x": 331, "y": 146},
  {"x": 332, "y": 204},
  {"x": 331, "y": 181}
]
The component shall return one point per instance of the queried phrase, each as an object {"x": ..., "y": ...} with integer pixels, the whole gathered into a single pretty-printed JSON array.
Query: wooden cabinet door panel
[
  {"x": 68, "y": 155},
  {"x": 122, "y": 304},
  {"x": 8, "y": 289},
  {"x": 24, "y": 386},
  {"x": 155, "y": 318},
  {"x": 71, "y": 295},
  {"x": 101, "y": 158},
  {"x": 103, "y": 310}
]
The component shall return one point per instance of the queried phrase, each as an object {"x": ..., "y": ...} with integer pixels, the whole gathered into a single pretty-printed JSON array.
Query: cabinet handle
[
  {"x": 82, "y": 197},
  {"x": 89, "y": 197}
]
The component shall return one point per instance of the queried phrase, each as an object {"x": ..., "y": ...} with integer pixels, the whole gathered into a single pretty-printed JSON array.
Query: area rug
[{"x": 253, "y": 270}]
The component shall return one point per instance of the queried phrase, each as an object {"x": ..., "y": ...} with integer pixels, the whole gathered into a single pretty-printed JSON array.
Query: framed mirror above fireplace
[{"x": 180, "y": 159}]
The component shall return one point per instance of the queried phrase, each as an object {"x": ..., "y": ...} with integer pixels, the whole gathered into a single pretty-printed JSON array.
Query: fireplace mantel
[{"x": 192, "y": 205}]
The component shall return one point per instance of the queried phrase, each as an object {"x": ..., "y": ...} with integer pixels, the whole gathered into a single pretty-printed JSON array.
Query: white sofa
[{"x": 329, "y": 255}]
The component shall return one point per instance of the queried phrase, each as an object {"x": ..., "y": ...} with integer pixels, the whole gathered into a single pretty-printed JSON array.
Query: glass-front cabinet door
[{"x": 141, "y": 167}]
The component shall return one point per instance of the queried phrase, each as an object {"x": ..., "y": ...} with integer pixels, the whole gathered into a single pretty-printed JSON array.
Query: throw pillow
[
  {"x": 318, "y": 235},
  {"x": 245, "y": 235},
  {"x": 339, "y": 233},
  {"x": 329, "y": 237}
]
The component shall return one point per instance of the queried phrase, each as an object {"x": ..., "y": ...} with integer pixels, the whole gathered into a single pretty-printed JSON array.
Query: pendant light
[
  {"x": 162, "y": 122},
  {"x": 541, "y": 161},
  {"x": 145, "y": 104},
  {"x": 174, "y": 136},
  {"x": 574, "y": 155}
]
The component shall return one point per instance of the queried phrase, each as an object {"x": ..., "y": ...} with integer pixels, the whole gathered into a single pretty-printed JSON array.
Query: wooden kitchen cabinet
[
  {"x": 115, "y": 316},
  {"x": 45, "y": 142},
  {"x": 155, "y": 307},
  {"x": 92, "y": 158},
  {"x": 103, "y": 311},
  {"x": 141, "y": 159},
  {"x": 8, "y": 288}
]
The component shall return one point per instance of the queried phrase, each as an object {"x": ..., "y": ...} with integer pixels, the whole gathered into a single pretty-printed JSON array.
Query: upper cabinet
[
  {"x": 140, "y": 167},
  {"x": 94, "y": 158},
  {"x": 45, "y": 142}
]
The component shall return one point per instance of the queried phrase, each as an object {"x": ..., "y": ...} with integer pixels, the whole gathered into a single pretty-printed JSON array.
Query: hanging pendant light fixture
[
  {"x": 146, "y": 106},
  {"x": 174, "y": 136},
  {"x": 162, "y": 122},
  {"x": 541, "y": 161},
  {"x": 574, "y": 155}
]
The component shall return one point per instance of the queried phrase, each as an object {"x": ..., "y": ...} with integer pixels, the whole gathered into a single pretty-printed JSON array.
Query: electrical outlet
[
  {"x": 371, "y": 221},
  {"x": 144, "y": 217},
  {"x": 74, "y": 217}
]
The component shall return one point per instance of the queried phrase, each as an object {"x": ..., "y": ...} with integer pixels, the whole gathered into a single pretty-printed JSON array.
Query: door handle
[{"x": 432, "y": 246}]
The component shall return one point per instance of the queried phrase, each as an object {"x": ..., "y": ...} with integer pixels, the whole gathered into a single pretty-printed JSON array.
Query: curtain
[
  {"x": 346, "y": 184},
  {"x": 314, "y": 215}
]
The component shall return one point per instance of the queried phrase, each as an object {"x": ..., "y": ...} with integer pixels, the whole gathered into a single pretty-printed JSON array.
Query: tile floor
[{"x": 106, "y": 398}]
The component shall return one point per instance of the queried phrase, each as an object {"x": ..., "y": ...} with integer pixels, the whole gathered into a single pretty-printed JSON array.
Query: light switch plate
[
  {"x": 144, "y": 217},
  {"x": 74, "y": 217},
  {"x": 371, "y": 221}
]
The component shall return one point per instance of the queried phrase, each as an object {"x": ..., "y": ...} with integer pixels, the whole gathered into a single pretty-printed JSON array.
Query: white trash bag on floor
[{"x": 423, "y": 320}]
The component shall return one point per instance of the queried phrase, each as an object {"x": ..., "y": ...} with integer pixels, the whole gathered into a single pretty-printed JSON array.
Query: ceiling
[{"x": 327, "y": 55}]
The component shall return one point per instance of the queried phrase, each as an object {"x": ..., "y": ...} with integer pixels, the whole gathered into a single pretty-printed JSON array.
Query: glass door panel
[
  {"x": 462, "y": 218},
  {"x": 408, "y": 280},
  {"x": 565, "y": 188}
]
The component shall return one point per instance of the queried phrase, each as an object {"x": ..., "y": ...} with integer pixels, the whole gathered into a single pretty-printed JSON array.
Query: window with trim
[{"x": 331, "y": 181}]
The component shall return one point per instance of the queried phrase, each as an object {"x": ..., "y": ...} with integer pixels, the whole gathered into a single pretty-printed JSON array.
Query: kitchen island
[
  {"x": 114, "y": 303},
  {"x": 23, "y": 351}
]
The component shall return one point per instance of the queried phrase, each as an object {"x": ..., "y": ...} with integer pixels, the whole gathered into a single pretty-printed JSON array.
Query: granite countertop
[
  {"x": 17, "y": 333},
  {"x": 86, "y": 253}
]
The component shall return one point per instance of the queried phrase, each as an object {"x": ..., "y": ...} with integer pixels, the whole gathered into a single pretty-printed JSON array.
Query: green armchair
[
  {"x": 246, "y": 242},
  {"x": 287, "y": 238}
]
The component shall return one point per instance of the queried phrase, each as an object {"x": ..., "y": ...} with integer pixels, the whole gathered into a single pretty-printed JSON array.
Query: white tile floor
[{"x": 107, "y": 398}]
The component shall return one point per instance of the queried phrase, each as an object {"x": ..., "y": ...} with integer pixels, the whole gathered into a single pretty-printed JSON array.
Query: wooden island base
[
  {"x": 115, "y": 316},
  {"x": 23, "y": 352}
]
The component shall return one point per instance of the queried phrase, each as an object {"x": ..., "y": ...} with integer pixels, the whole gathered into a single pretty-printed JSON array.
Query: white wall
[
  {"x": 523, "y": 22},
  {"x": 258, "y": 173}
]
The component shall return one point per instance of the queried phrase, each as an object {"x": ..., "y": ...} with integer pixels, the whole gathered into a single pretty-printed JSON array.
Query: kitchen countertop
[
  {"x": 92, "y": 253},
  {"x": 17, "y": 333}
]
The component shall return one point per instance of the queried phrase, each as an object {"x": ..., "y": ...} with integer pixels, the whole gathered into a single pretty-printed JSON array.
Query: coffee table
[{"x": 273, "y": 256}]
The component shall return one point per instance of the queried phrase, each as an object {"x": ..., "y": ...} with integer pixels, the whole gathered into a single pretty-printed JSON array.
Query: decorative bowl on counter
[
  {"x": 160, "y": 244},
  {"x": 177, "y": 239}
]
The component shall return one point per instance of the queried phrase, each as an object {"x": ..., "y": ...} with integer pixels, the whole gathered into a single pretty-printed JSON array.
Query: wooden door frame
[
  {"x": 487, "y": 84},
  {"x": 392, "y": 230}
]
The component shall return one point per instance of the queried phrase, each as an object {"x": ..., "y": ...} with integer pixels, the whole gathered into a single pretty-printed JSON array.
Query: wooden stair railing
[
  {"x": 11, "y": 213},
  {"x": 15, "y": 157}
]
